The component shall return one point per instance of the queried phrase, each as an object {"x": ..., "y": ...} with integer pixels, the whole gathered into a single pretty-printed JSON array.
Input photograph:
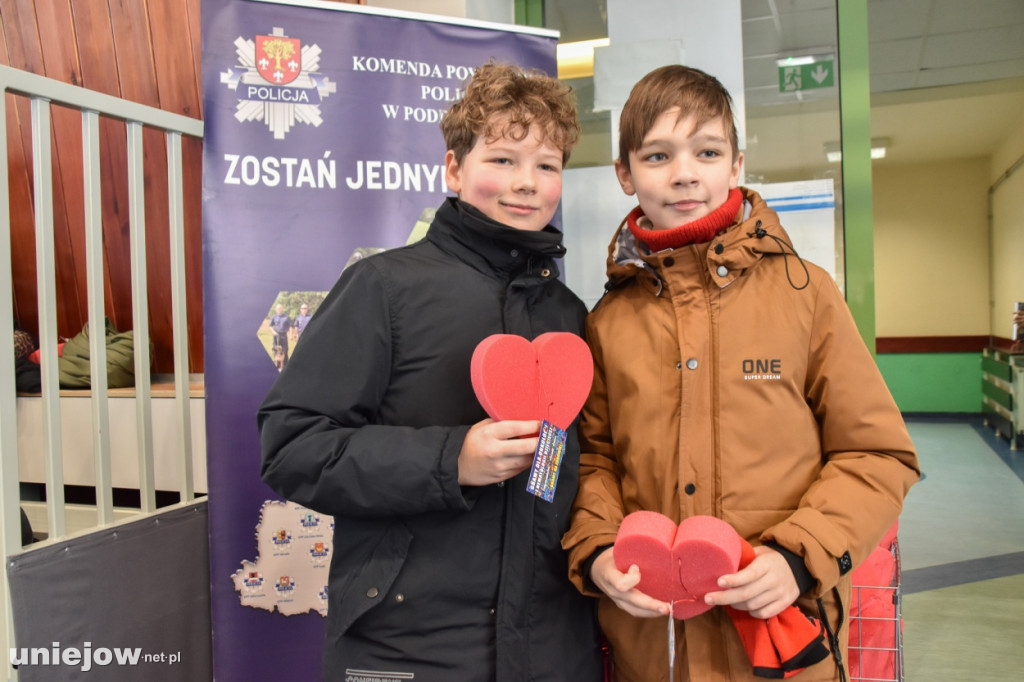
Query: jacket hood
[{"x": 757, "y": 235}]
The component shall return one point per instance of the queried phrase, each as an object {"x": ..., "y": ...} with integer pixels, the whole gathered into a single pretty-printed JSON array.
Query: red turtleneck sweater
[{"x": 700, "y": 230}]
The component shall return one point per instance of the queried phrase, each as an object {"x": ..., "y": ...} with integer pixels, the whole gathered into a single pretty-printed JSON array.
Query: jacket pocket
[{"x": 356, "y": 587}]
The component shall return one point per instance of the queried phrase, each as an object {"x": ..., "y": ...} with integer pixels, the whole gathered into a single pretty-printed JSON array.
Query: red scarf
[{"x": 700, "y": 230}]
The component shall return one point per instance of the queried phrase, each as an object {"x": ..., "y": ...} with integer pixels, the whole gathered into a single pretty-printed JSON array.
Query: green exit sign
[{"x": 797, "y": 75}]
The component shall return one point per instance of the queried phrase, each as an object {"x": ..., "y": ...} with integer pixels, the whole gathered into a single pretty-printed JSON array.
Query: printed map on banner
[{"x": 290, "y": 570}]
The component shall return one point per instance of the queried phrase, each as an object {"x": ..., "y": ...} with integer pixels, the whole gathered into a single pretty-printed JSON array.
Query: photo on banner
[{"x": 322, "y": 146}]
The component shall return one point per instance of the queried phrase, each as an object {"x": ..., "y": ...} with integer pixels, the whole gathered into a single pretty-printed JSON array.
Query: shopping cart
[{"x": 876, "y": 622}]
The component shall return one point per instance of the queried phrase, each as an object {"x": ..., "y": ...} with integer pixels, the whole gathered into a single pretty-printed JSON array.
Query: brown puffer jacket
[{"x": 731, "y": 382}]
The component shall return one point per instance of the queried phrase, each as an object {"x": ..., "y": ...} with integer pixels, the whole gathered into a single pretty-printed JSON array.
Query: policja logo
[{"x": 277, "y": 83}]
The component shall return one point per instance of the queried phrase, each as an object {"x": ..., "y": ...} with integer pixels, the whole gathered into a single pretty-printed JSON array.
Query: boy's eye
[
  {"x": 656, "y": 156},
  {"x": 710, "y": 153},
  {"x": 550, "y": 167},
  {"x": 502, "y": 160}
]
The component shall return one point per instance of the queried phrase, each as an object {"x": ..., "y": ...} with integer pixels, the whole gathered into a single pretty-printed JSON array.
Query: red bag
[{"x": 875, "y": 622}]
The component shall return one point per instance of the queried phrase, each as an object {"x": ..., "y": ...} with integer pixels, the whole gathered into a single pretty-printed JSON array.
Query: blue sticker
[{"x": 547, "y": 462}]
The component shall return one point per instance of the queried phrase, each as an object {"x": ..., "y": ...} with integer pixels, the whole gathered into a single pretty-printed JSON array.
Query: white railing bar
[
  {"x": 10, "y": 489},
  {"x": 140, "y": 315},
  {"x": 46, "y": 279},
  {"x": 182, "y": 395},
  {"x": 33, "y": 85},
  {"x": 97, "y": 315}
]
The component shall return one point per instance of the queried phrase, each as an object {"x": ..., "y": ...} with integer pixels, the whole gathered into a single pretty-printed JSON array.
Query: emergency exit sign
[{"x": 796, "y": 75}]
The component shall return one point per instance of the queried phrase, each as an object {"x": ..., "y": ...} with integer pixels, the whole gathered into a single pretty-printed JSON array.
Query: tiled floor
[{"x": 962, "y": 551}]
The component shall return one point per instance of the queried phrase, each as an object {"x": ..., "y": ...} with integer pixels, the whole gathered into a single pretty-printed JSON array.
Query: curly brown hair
[
  {"x": 692, "y": 90},
  {"x": 522, "y": 98}
]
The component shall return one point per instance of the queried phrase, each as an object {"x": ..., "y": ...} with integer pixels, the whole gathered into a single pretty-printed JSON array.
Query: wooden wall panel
[
  {"x": 23, "y": 249},
  {"x": 61, "y": 63},
  {"x": 22, "y": 245},
  {"x": 147, "y": 51},
  {"x": 195, "y": 35},
  {"x": 136, "y": 79},
  {"x": 100, "y": 72},
  {"x": 172, "y": 39},
  {"x": 178, "y": 91},
  {"x": 19, "y": 151},
  {"x": 24, "y": 51},
  {"x": 192, "y": 162}
]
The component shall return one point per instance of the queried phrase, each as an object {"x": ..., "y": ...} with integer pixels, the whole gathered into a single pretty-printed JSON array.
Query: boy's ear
[
  {"x": 452, "y": 172},
  {"x": 737, "y": 167},
  {"x": 625, "y": 177}
]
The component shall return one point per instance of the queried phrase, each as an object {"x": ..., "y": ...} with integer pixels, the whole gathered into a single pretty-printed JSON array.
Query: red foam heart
[
  {"x": 678, "y": 564},
  {"x": 548, "y": 378}
]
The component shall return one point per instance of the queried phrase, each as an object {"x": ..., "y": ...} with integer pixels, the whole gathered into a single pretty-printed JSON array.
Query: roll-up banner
[{"x": 322, "y": 145}]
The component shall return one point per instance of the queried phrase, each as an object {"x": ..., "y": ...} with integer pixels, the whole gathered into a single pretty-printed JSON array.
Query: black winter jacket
[{"x": 366, "y": 423}]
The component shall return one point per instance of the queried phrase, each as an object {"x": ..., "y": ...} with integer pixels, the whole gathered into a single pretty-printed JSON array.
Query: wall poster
[{"x": 322, "y": 145}]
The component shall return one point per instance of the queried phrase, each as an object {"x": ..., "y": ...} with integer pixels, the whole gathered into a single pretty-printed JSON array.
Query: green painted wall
[
  {"x": 919, "y": 382},
  {"x": 933, "y": 382}
]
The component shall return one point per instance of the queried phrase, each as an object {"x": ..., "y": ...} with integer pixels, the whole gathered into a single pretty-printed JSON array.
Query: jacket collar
[
  {"x": 743, "y": 244},
  {"x": 488, "y": 245}
]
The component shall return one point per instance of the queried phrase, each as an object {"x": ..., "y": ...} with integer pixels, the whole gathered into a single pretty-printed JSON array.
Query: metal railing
[{"x": 42, "y": 92}]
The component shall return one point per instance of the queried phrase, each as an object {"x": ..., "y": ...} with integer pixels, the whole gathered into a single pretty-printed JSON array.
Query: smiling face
[
  {"x": 680, "y": 172},
  {"x": 515, "y": 182}
]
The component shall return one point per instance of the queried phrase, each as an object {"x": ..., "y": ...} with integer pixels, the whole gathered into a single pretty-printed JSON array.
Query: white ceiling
[
  {"x": 913, "y": 43},
  {"x": 947, "y": 76}
]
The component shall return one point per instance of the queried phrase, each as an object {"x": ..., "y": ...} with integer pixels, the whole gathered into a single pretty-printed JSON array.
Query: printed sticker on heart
[
  {"x": 678, "y": 564},
  {"x": 548, "y": 378}
]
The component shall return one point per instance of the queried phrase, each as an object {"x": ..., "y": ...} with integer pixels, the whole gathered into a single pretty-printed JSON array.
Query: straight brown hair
[{"x": 693, "y": 91}]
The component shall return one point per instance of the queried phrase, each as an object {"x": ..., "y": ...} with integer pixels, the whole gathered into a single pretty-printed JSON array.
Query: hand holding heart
[
  {"x": 621, "y": 588},
  {"x": 496, "y": 451},
  {"x": 681, "y": 565},
  {"x": 519, "y": 383},
  {"x": 677, "y": 564}
]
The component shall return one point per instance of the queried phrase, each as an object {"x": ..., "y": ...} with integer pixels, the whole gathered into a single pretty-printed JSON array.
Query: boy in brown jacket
[{"x": 730, "y": 381}]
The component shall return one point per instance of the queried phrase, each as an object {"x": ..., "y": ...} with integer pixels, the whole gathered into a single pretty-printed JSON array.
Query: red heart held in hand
[
  {"x": 548, "y": 378},
  {"x": 677, "y": 564}
]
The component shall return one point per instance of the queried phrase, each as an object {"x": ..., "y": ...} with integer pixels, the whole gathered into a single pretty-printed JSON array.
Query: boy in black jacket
[{"x": 444, "y": 566}]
